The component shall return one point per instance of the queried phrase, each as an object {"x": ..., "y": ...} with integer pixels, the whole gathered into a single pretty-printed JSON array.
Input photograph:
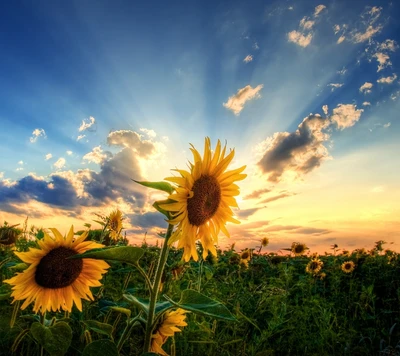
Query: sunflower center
[
  {"x": 55, "y": 271},
  {"x": 205, "y": 201}
]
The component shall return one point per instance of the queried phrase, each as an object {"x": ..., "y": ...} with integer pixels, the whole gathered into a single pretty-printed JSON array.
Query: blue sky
[{"x": 307, "y": 92}]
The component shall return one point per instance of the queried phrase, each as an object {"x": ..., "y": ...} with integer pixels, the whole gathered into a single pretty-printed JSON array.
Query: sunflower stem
[
  {"x": 155, "y": 289},
  {"x": 127, "y": 331}
]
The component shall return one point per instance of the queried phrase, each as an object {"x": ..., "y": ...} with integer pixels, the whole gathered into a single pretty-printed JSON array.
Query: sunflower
[
  {"x": 169, "y": 325},
  {"x": 245, "y": 257},
  {"x": 348, "y": 266},
  {"x": 298, "y": 248},
  {"x": 264, "y": 242},
  {"x": 8, "y": 235},
  {"x": 202, "y": 200},
  {"x": 53, "y": 281},
  {"x": 115, "y": 224},
  {"x": 314, "y": 266}
]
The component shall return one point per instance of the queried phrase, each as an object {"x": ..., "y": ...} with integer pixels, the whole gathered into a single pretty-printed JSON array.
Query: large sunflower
[
  {"x": 168, "y": 327},
  {"x": 54, "y": 282},
  {"x": 203, "y": 198}
]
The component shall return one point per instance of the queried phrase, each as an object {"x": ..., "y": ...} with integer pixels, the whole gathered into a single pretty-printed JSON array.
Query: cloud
[
  {"x": 277, "y": 197},
  {"x": 87, "y": 125},
  {"x": 1, "y": 175},
  {"x": 299, "y": 152},
  {"x": 387, "y": 80},
  {"x": 306, "y": 24},
  {"x": 325, "y": 109},
  {"x": 335, "y": 85},
  {"x": 69, "y": 153},
  {"x": 236, "y": 102},
  {"x": 248, "y": 58},
  {"x": 387, "y": 125},
  {"x": 80, "y": 137},
  {"x": 299, "y": 38},
  {"x": 336, "y": 29},
  {"x": 147, "y": 220},
  {"x": 366, "y": 103},
  {"x": 318, "y": 9},
  {"x": 378, "y": 189},
  {"x": 383, "y": 60},
  {"x": 346, "y": 115},
  {"x": 97, "y": 155},
  {"x": 364, "y": 36},
  {"x": 149, "y": 133},
  {"x": 60, "y": 163},
  {"x": 256, "y": 193},
  {"x": 340, "y": 39},
  {"x": 36, "y": 134},
  {"x": 245, "y": 213},
  {"x": 366, "y": 88},
  {"x": 311, "y": 231},
  {"x": 21, "y": 162},
  {"x": 131, "y": 139},
  {"x": 48, "y": 156},
  {"x": 388, "y": 45}
]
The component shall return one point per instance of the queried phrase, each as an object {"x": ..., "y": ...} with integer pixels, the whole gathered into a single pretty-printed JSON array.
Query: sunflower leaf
[
  {"x": 125, "y": 311},
  {"x": 201, "y": 304},
  {"x": 101, "y": 347},
  {"x": 164, "y": 186},
  {"x": 55, "y": 339},
  {"x": 143, "y": 304},
  {"x": 127, "y": 254},
  {"x": 101, "y": 328}
]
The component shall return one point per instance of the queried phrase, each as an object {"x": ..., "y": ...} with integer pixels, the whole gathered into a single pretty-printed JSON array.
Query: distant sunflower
[
  {"x": 168, "y": 326},
  {"x": 314, "y": 266},
  {"x": 52, "y": 281},
  {"x": 245, "y": 257},
  {"x": 348, "y": 266},
  {"x": 298, "y": 248},
  {"x": 264, "y": 242},
  {"x": 203, "y": 198},
  {"x": 115, "y": 224},
  {"x": 8, "y": 235}
]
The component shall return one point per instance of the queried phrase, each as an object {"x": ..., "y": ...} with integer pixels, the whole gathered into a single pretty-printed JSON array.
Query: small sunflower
[
  {"x": 52, "y": 281},
  {"x": 322, "y": 276},
  {"x": 202, "y": 200},
  {"x": 314, "y": 266},
  {"x": 264, "y": 242},
  {"x": 245, "y": 257},
  {"x": 298, "y": 248},
  {"x": 348, "y": 266},
  {"x": 115, "y": 224},
  {"x": 169, "y": 325},
  {"x": 8, "y": 235}
]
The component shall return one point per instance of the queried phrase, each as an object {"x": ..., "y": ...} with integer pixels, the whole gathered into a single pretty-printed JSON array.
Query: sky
[{"x": 94, "y": 94}]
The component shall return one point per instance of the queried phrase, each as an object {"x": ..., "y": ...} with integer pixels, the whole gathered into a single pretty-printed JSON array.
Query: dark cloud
[
  {"x": 300, "y": 151},
  {"x": 256, "y": 194},
  {"x": 245, "y": 213},
  {"x": 311, "y": 231},
  {"x": 148, "y": 220}
]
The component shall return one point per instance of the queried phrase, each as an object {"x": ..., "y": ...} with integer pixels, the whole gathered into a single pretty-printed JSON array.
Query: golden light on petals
[
  {"x": 52, "y": 281},
  {"x": 348, "y": 266},
  {"x": 115, "y": 224},
  {"x": 314, "y": 266},
  {"x": 203, "y": 198},
  {"x": 298, "y": 248}
]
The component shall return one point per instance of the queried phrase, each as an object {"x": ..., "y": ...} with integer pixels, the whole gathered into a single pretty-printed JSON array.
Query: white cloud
[
  {"x": 149, "y": 133},
  {"x": 255, "y": 46},
  {"x": 387, "y": 80},
  {"x": 236, "y": 102},
  {"x": 325, "y": 109},
  {"x": 299, "y": 38},
  {"x": 96, "y": 155},
  {"x": 383, "y": 60},
  {"x": 369, "y": 32},
  {"x": 19, "y": 169},
  {"x": 21, "y": 162},
  {"x": 340, "y": 39},
  {"x": 69, "y": 153},
  {"x": 248, "y": 58},
  {"x": 346, "y": 115},
  {"x": 306, "y": 24},
  {"x": 1, "y": 175},
  {"x": 388, "y": 45},
  {"x": 48, "y": 156},
  {"x": 335, "y": 85},
  {"x": 366, "y": 103},
  {"x": 342, "y": 71},
  {"x": 336, "y": 29},
  {"x": 318, "y": 9},
  {"x": 86, "y": 125},
  {"x": 366, "y": 88},
  {"x": 60, "y": 163},
  {"x": 36, "y": 134},
  {"x": 378, "y": 189},
  {"x": 80, "y": 137},
  {"x": 387, "y": 125}
]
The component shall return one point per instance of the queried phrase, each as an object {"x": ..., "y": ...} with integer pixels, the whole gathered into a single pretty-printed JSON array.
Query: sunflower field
[{"x": 91, "y": 292}]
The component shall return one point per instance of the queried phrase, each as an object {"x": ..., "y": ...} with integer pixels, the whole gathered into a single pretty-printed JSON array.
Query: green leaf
[
  {"x": 162, "y": 211},
  {"x": 127, "y": 254},
  {"x": 125, "y": 311},
  {"x": 99, "y": 222},
  {"x": 201, "y": 304},
  {"x": 143, "y": 304},
  {"x": 54, "y": 339},
  {"x": 101, "y": 328},
  {"x": 101, "y": 347},
  {"x": 164, "y": 186},
  {"x": 5, "y": 296},
  {"x": 19, "y": 267}
]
